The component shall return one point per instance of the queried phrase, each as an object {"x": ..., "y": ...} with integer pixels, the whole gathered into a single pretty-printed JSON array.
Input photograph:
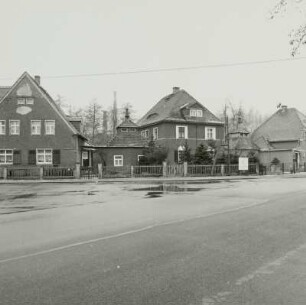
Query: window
[
  {"x": 35, "y": 127},
  {"x": 44, "y": 156},
  {"x": 145, "y": 133},
  {"x": 20, "y": 101},
  {"x": 180, "y": 152},
  {"x": 139, "y": 157},
  {"x": 210, "y": 133},
  {"x": 155, "y": 133},
  {"x": 196, "y": 112},
  {"x": 124, "y": 130},
  {"x": 181, "y": 132},
  {"x": 2, "y": 127},
  {"x": 14, "y": 127},
  {"x": 118, "y": 160},
  {"x": 25, "y": 100},
  {"x": 6, "y": 156},
  {"x": 50, "y": 127},
  {"x": 29, "y": 101}
]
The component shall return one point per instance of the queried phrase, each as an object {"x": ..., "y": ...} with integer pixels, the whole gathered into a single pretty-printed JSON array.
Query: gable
[
  {"x": 26, "y": 100},
  {"x": 284, "y": 125}
]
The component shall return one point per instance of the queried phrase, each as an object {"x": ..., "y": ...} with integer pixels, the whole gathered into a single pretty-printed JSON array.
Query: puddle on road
[
  {"x": 23, "y": 196},
  {"x": 156, "y": 191}
]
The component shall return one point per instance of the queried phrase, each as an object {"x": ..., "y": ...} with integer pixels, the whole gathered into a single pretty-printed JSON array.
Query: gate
[
  {"x": 175, "y": 170},
  {"x": 89, "y": 172}
]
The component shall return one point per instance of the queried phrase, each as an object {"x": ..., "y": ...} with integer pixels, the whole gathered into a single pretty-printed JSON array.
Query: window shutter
[
  {"x": 32, "y": 157},
  {"x": 176, "y": 156},
  {"x": 17, "y": 157},
  {"x": 56, "y": 157}
]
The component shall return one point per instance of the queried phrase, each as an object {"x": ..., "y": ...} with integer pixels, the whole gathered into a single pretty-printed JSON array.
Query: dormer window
[{"x": 196, "y": 113}]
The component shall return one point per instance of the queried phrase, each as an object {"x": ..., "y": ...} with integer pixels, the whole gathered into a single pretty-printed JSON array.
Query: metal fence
[
  {"x": 23, "y": 173},
  {"x": 116, "y": 171},
  {"x": 204, "y": 170},
  {"x": 148, "y": 171},
  {"x": 58, "y": 172},
  {"x": 89, "y": 172}
]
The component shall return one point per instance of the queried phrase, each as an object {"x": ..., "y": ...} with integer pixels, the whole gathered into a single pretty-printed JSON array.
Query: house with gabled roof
[
  {"x": 34, "y": 130},
  {"x": 177, "y": 118},
  {"x": 125, "y": 148},
  {"x": 282, "y": 136}
]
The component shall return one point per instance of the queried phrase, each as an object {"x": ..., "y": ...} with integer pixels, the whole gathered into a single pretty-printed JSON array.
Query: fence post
[
  {"x": 77, "y": 172},
  {"x": 257, "y": 168},
  {"x": 132, "y": 171},
  {"x": 5, "y": 173},
  {"x": 222, "y": 169},
  {"x": 100, "y": 175},
  {"x": 185, "y": 169},
  {"x": 41, "y": 173},
  {"x": 164, "y": 169}
]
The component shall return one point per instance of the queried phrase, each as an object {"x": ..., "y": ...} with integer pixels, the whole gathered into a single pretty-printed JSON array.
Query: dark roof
[
  {"x": 170, "y": 108},
  {"x": 127, "y": 124},
  {"x": 127, "y": 139},
  {"x": 287, "y": 124},
  {"x": 242, "y": 143},
  {"x": 241, "y": 129},
  {"x": 4, "y": 91}
]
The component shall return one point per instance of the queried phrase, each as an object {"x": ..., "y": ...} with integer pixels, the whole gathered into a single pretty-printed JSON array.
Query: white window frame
[
  {"x": 180, "y": 149},
  {"x": 210, "y": 133},
  {"x": 49, "y": 131},
  {"x": 16, "y": 129},
  {"x": 199, "y": 113},
  {"x": 118, "y": 160},
  {"x": 185, "y": 131},
  {"x": 2, "y": 127},
  {"x": 6, "y": 153},
  {"x": 155, "y": 133},
  {"x": 139, "y": 156},
  {"x": 46, "y": 153},
  {"x": 29, "y": 101},
  {"x": 35, "y": 129},
  {"x": 145, "y": 133},
  {"x": 21, "y": 101},
  {"x": 196, "y": 113}
]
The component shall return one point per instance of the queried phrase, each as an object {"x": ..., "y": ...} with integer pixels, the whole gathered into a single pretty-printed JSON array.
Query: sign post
[{"x": 243, "y": 164}]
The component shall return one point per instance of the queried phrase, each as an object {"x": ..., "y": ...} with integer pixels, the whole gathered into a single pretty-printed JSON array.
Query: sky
[{"x": 66, "y": 41}]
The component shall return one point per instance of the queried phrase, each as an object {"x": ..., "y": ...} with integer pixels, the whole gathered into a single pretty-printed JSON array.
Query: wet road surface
[{"x": 235, "y": 242}]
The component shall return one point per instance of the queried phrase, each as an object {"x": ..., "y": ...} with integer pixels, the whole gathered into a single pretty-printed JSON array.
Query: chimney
[
  {"x": 37, "y": 79},
  {"x": 176, "y": 89},
  {"x": 284, "y": 107}
]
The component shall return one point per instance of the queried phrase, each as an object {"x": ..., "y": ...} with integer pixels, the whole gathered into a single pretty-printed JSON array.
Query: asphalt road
[{"x": 237, "y": 242}]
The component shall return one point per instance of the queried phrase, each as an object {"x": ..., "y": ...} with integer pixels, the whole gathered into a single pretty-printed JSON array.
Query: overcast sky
[{"x": 73, "y": 37}]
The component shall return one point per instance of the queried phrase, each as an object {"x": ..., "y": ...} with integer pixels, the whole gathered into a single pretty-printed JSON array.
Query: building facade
[
  {"x": 125, "y": 148},
  {"x": 179, "y": 118},
  {"x": 34, "y": 130},
  {"x": 282, "y": 136}
]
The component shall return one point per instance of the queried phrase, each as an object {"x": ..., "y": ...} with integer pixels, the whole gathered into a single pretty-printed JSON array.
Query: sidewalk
[{"x": 154, "y": 179}]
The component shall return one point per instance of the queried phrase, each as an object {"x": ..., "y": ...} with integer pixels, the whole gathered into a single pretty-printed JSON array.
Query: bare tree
[
  {"x": 297, "y": 35},
  {"x": 93, "y": 120}
]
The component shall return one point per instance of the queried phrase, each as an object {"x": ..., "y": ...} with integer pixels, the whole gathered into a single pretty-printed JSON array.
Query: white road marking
[
  {"x": 266, "y": 269},
  {"x": 150, "y": 227}
]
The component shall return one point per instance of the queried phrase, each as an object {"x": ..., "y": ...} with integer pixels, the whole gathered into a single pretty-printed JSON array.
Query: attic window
[
  {"x": 152, "y": 115},
  {"x": 196, "y": 113},
  {"x": 25, "y": 101}
]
